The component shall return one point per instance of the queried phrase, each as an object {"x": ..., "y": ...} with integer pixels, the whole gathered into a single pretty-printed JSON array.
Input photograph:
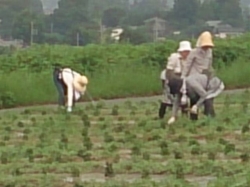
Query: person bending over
[{"x": 70, "y": 85}]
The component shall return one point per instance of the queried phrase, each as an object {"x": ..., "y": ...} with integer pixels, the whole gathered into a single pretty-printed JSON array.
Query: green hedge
[{"x": 115, "y": 70}]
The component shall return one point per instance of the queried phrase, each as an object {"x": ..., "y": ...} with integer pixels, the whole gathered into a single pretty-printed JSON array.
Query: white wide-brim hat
[
  {"x": 79, "y": 83},
  {"x": 184, "y": 46}
]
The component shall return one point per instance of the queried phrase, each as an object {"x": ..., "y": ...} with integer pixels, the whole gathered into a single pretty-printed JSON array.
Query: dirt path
[{"x": 110, "y": 101}]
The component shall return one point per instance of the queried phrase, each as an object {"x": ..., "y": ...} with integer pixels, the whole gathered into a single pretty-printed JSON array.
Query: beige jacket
[{"x": 175, "y": 65}]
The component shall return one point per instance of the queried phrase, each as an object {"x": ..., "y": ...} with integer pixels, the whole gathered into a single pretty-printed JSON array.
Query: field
[{"x": 123, "y": 144}]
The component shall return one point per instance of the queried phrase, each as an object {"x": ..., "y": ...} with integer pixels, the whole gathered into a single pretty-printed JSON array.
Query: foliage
[
  {"x": 86, "y": 17},
  {"x": 130, "y": 64},
  {"x": 52, "y": 147}
]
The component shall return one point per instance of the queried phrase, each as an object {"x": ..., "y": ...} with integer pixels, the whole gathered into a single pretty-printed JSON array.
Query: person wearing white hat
[
  {"x": 176, "y": 61},
  {"x": 166, "y": 97},
  {"x": 174, "y": 68},
  {"x": 70, "y": 84}
]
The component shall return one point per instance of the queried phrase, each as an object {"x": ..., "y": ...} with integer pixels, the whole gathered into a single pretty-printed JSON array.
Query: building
[
  {"x": 156, "y": 26},
  {"x": 222, "y": 30},
  {"x": 9, "y": 43}
]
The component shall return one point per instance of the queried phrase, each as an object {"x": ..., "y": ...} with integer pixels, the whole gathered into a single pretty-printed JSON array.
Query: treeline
[{"x": 81, "y": 21}]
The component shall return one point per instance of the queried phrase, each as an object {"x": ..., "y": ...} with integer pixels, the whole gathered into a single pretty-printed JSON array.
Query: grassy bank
[{"x": 23, "y": 88}]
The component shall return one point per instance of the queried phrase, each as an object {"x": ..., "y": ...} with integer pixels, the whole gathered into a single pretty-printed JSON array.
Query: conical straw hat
[
  {"x": 205, "y": 39},
  {"x": 80, "y": 83}
]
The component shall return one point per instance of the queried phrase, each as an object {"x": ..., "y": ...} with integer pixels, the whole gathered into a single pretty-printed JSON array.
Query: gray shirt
[
  {"x": 197, "y": 61},
  {"x": 198, "y": 83}
]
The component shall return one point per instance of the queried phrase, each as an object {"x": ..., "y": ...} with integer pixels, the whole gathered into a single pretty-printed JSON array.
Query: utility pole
[
  {"x": 77, "y": 39},
  {"x": 31, "y": 32},
  {"x": 101, "y": 31}
]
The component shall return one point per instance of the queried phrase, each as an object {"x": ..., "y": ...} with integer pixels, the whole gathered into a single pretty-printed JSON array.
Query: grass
[
  {"x": 111, "y": 82},
  {"x": 126, "y": 143}
]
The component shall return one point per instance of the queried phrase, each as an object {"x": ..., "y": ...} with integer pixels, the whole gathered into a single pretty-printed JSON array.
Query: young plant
[
  {"x": 136, "y": 149},
  {"x": 4, "y": 157},
  {"x": 84, "y": 154},
  {"x": 196, "y": 150},
  {"x": 75, "y": 172},
  {"x": 229, "y": 148},
  {"x": 87, "y": 143},
  {"x": 108, "y": 138},
  {"x": 96, "y": 112},
  {"x": 109, "y": 171},
  {"x": 20, "y": 124},
  {"x": 245, "y": 129},
  {"x": 6, "y": 138},
  {"x": 147, "y": 112},
  {"x": 145, "y": 173},
  {"x": 146, "y": 156},
  {"x": 244, "y": 157},
  {"x": 85, "y": 132},
  {"x": 115, "y": 111},
  {"x": 178, "y": 154}
]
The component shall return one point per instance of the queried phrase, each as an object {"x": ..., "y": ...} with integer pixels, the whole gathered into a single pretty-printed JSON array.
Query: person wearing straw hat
[
  {"x": 197, "y": 86},
  {"x": 70, "y": 84},
  {"x": 200, "y": 61},
  {"x": 174, "y": 68}
]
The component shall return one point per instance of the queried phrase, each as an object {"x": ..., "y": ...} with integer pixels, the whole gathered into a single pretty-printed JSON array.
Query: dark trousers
[
  {"x": 164, "y": 106},
  {"x": 61, "y": 88},
  {"x": 208, "y": 107}
]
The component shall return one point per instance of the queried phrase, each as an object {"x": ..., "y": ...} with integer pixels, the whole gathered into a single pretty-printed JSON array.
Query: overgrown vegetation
[{"x": 117, "y": 70}]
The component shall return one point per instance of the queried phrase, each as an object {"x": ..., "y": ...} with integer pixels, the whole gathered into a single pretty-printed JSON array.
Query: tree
[
  {"x": 112, "y": 16},
  {"x": 22, "y": 27},
  {"x": 9, "y": 9},
  {"x": 143, "y": 10},
  {"x": 185, "y": 13},
  {"x": 69, "y": 14},
  {"x": 230, "y": 12},
  {"x": 208, "y": 11}
]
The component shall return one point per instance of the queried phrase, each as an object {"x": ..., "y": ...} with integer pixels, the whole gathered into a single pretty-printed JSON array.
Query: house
[
  {"x": 15, "y": 43},
  {"x": 213, "y": 23},
  {"x": 221, "y": 30},
  {"x": 156, "y": 26},
  {"x": 226, "y": 30}
]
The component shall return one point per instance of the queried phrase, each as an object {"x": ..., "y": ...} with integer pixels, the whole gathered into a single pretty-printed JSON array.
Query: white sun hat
[{"x": 184, "y": 46}]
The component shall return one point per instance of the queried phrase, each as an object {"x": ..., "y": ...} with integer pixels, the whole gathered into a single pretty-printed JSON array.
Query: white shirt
[
  {"x": 67, "y": 76},
  {"x": 163, "y": 75},
  {"x": 175, "y": 63}
]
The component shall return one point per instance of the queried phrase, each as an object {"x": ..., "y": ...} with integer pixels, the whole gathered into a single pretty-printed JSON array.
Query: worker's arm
[
  {"x": 171, "y": 65},
  {"x": 188, "y": 64},
  {"x": 68, "y": 80}
]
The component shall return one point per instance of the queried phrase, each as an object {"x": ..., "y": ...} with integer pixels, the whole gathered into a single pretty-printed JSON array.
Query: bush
[{"x": 115, "y": 70}]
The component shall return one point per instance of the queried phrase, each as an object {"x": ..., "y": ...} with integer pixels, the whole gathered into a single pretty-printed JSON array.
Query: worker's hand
[
  {"x": 171, "y": 120},
  {"x": 69, "y": 109},
  {"x": 84, "y": 90},
  {"x": 184, "y": 99},
  {"x": 194, "y": 109}
]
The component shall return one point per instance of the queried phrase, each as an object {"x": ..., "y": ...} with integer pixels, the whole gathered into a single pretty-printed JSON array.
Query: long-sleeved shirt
[
  {"x": 174, "y": 66},
  {"x": 198, "y": 84},
  {"x": 68, "y": 77},
  {"x": 197, "y": 61}
]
